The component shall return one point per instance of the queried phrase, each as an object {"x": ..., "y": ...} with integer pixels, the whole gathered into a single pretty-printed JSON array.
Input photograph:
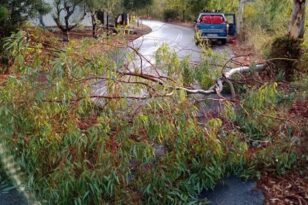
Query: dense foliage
[
  {"x": 15, "y": 12},
  {"x": 76, "y": 149},
  {"x": 135, "y": 5},
  {"x": 143, "y": 141},
  {"x": 187, "y": 10}
]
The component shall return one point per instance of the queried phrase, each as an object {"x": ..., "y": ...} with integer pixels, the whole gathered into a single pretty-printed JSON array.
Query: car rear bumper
[{"x": 213, "y": 37}]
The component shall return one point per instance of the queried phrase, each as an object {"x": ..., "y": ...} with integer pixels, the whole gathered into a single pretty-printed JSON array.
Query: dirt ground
[
  {"x": 290, "y": 189},
  {"x": 132, "y": 33}
]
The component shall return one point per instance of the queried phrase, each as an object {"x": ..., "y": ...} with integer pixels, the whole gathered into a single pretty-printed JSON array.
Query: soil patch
[{"x": 286, "y": 190}]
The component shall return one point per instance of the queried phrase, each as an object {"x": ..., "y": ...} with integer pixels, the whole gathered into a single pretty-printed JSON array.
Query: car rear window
[{"x": 212, "y": 19}]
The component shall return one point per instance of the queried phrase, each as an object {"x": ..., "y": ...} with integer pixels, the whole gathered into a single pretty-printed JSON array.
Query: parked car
[{"x": 215, "y": 26}]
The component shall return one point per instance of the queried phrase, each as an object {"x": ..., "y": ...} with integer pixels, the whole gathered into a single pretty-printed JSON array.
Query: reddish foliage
[
  {"x": 300, "y": 108},
  {"x": 87, "y": 122},
  {"x": 112, "y": 146},
  {"x": 293, "y": 187}
]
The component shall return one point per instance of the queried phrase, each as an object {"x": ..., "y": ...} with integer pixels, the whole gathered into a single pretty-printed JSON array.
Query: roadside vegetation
[{"x": 142, "y": 140}]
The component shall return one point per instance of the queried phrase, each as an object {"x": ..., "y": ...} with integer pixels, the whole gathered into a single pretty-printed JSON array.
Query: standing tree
[
  {"x": 135, "y": 5},
  {"x": 93, "y": 6},
  {"x": 15, "y": 12},
  {"x": 69, "y": 13},
  {"x": 290, "y": 46},
  {"x": 297, "y": 24},
  {"x": 111, "y": 7},
  {"x": 197, "y": 6},
  {"x": 240, "y": 14},
  {"x": 181, "y": 6}
]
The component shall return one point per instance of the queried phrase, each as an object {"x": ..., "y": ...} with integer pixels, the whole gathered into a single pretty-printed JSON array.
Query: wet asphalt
[
  {"x": 179, "y": 39},
  {"x": 12, "y": 197}
]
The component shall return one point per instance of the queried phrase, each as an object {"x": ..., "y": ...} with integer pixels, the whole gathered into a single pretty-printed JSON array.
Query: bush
[
  {"x": 171, "y": 14},
  {"x": 286, "y": 53},
  {"x": 74, "y": 151},
  {"x": 263, "y": 21},
  {"x": 303, "y": 65},
  {"x": 258, "y": 101}
]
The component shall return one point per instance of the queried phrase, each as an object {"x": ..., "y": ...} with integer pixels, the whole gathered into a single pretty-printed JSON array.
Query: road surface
[{"x": 179, "y": 39}]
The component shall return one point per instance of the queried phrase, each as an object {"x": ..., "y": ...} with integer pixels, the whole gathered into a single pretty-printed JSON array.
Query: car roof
[{"x": 211, "y": 13}]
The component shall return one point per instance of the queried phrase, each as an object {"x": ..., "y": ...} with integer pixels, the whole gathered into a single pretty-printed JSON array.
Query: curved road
[{"x": 179, "y": 39}]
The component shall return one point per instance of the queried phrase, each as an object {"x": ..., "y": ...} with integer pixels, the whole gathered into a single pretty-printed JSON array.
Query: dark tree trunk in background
[
  {"x": 69, "y": 10},
  {"x": 66, "y": 36},
  {"x": 100, "y": 15},
  {"x": 297, "y": 24},
  {"x": 94, "y": 24},
  {"x": 107, "y": 22},
  {"x": 67, "y": 29},
  {"x": 125, "y": 19}
]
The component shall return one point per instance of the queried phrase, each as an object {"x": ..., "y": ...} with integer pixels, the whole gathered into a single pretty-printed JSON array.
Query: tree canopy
[
  {"x": 133, "y": 5},
  {"x": 15, "y": 12}
]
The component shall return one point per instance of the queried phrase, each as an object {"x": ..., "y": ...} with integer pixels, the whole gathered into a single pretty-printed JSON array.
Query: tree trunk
[
  {"x": 66, "y": 32},
  {"x": 107, "y": 22},
  {"x": 94, "y": 24},
  {"x": 66, "y": 36},
  {"x": 103, "y": 18},
  {"x": 240, "y": 14},
  {"x": 297, "y": 24}
]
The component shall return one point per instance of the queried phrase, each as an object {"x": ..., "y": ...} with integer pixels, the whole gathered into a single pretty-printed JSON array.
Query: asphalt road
[{"x": 179, "y": 39}]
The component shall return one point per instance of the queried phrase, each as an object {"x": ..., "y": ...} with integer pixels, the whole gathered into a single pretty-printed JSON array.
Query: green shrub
[
  {"x": 75, "y": 151},
  {"x": 170, "y": 14},
  {"x": 261, "y": 103},
  {"x": 286, "y": 53},
  {"x": 279, "y": 158}
]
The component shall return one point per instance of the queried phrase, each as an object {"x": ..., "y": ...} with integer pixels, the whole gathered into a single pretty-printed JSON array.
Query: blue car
[{"x": 212, "y": 26}]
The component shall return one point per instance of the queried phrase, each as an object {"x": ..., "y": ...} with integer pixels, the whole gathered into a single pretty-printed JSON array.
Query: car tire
[{"x": 223, "y": 41}]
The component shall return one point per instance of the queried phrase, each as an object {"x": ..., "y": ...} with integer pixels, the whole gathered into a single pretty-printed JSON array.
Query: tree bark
[
  {"x": 69, "y": 10},
  {"x": 66, "y": 36},
  {"x": 94, "y": 24},
  {"x": 240, "y": 14},
  {"x": 297, "y": 24},
  {"x": 107, "y": 22}
]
